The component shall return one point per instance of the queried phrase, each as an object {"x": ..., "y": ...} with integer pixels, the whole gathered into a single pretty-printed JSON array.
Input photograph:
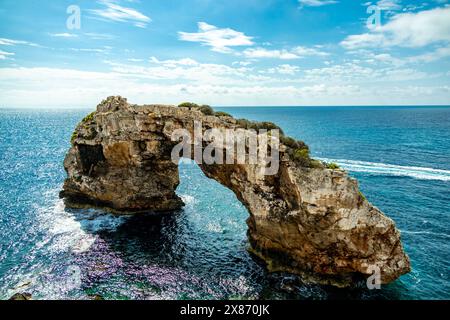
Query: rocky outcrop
[
  {"x": 21, "y": 296},
  {"x": 307, "y": 220}
]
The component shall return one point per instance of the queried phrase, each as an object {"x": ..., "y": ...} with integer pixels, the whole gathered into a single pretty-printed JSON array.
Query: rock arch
[{"x": 309, "y": 221}]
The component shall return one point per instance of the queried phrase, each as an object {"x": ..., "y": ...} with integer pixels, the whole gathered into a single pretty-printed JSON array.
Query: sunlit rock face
[{"x": 309, "y": 221}]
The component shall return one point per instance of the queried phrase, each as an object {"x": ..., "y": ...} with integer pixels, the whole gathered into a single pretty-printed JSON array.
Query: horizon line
[{"x": 241, "y": 106}]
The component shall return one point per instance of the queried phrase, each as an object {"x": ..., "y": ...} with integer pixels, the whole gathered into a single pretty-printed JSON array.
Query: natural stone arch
[{"x": 308, "y": 221}]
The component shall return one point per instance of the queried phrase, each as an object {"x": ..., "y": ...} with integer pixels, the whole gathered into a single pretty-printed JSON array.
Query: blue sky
[{"x": 252, "y": 52}]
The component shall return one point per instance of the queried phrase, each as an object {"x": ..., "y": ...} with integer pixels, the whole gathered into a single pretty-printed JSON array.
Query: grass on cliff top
[
  {"x": 332, "y": 166},
  {"x": 83, "y": 123},
  {"x": 205, "y": 109},
  {"x": 297, "y": 150},
  {"x": 89, "y": 117}
]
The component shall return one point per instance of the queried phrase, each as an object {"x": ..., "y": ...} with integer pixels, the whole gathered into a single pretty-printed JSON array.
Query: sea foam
[{"x": 375, "y": 168}]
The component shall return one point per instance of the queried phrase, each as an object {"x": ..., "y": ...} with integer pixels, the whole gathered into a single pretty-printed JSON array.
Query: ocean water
[{"x": 400, "y": 155}]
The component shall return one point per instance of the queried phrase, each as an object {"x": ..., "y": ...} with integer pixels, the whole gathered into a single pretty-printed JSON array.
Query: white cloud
[
  {"x": 218, "y": 39},
  {"x": 64, "y": 35},
  {"x": 285, "y": 69},
  {"x": 389, "y": 5},
  {"x": 99, "y": 36},
  {"x": 241, "y": 63},
  {"x": 173, "y": 63},
  {"x": 12, "y": 42},
  {"x": 316, "y": 3},
  {"x": 406, "y": 30},
  {"x": 437, "y": 54},
  {"x": 103, "y": 50},
  {"x": 185, "y": 70},
  {"x": 304, "y": 51},
  {"x": 115, "y": 12},
  {"x": 284, "y": 54},
  {"x": 53, "y": 87},
  {"x": 388, "y": 58},
  {"x": 4, "y": 55},
  {"x": 256, "y": 53},
  {"x": 354, "y": 72}
]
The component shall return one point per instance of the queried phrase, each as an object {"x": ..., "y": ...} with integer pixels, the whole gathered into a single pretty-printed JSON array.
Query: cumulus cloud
[
  {"x": 406, "y": 30},
  {"x": 437, "y": 54},
  {"x": 52, "y": 87},
  {"x": 285, "y": 69},
  {"x": 389, "y": 5},
  {"x": 219, "y": 39},
  {"x": 175, "y": 80}
]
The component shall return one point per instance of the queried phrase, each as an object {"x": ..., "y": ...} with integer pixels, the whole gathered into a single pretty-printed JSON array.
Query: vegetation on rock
[
  {"x": 255, "y": 125},
  {"x": 332, "y": 165},
  {"x": 188, "y": 105},
  {"x": 89, "y": 117},
  {"x": 222, "y": 114},
  {"x": 297, "y": 150},
  {"x": 363, "y": 197},
  {"x": 74, "y": 137},
  {"x": 205, "y": 109}
]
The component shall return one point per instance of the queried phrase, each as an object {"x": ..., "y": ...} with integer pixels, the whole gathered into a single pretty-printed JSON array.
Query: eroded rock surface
[{"x": 309, "y": 221}]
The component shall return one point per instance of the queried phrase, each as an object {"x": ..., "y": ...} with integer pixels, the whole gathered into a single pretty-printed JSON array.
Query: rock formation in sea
[{"x": 309, "y": 218}]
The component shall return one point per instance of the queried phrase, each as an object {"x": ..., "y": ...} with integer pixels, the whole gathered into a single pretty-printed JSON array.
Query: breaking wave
[{"x": 375, "y": 168}]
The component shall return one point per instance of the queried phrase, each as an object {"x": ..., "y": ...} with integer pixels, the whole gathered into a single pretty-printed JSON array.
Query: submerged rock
[
  {"x": 21, "y": 296},
  {"x": 306, "y": 219}
]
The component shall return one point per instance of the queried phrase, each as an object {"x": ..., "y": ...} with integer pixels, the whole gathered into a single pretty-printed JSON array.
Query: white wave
[
  {"x": 72, "y": 232},
  {"x": 214, "y": 227},
  {"x": 421, "y": 173},
  {"x": 188, "y": 199}
]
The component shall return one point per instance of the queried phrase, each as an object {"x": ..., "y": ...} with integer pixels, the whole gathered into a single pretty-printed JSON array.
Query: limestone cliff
[{"x": 306, "y": 219}]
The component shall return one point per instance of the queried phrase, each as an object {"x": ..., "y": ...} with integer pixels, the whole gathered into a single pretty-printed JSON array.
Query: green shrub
[
  {"x": 243, "y": 123},
  {"x": 222, "y": 114},
  {"x": 362, "y": 196},
  {"x": 255, "y": 125},
  {"x": 206, "y": 110},
  {"x": 332, "y": 165},
  {"x": 288, "y": 142},
  {"x": 74, "y": 137},
  {"x": 292, "y": 143},
  {"x": 316, "y": 164},
  {"x": 269, "y": 126},
  {"x": 297, "y": 150},
  {"x": 300, "y": 156},
  {"x": 89, "y": 117},
  {"x": 188, "y": 105}
]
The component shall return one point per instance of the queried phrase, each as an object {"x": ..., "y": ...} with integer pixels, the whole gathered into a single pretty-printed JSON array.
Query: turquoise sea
[{"x": 400, "y": 155}]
